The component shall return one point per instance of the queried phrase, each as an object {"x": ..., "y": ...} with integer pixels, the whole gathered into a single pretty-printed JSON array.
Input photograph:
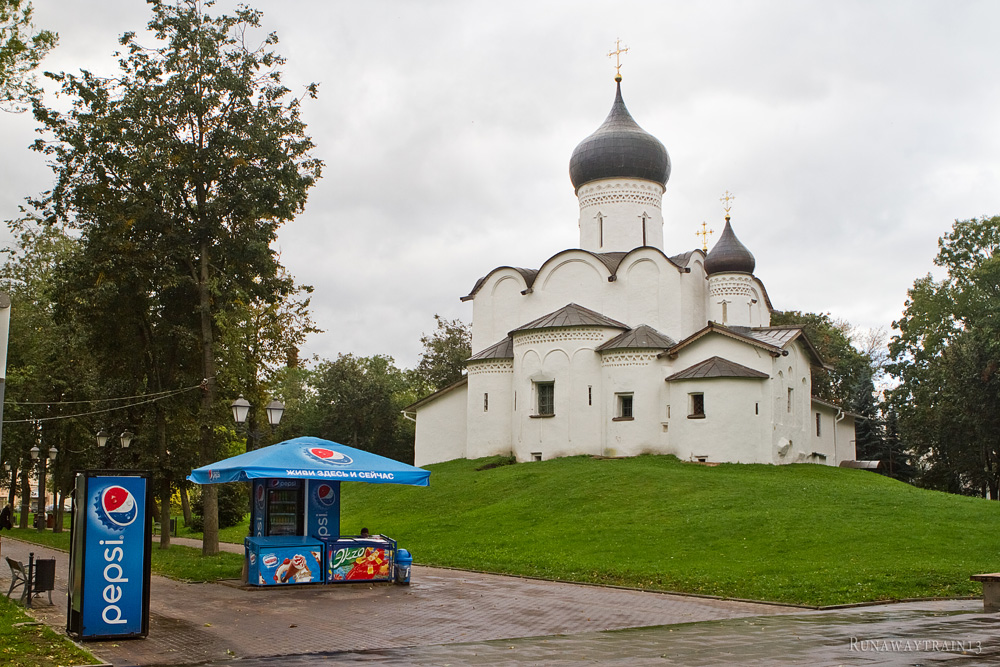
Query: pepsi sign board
[
  {"x": 323, "y": 509},
  {"x": 110, "y": 557}
]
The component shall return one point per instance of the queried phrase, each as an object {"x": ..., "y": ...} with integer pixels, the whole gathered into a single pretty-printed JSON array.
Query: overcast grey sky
[{"x": 851, "y": 133}]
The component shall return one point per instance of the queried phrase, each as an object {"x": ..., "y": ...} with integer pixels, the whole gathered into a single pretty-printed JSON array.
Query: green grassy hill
[{"x": 800, "y": 533}]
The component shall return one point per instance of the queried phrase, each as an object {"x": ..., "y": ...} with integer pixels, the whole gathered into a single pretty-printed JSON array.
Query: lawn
[
  {"x": 34, "y": 644},
  {"x": 807, "y": 534}
]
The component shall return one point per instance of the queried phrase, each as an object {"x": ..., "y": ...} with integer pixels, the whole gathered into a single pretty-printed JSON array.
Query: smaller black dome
[
  {"x": 729, "y": 255},
  {"x": 619, "y": 148}
]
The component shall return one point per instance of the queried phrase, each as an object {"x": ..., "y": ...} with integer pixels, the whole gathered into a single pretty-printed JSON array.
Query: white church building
[{"x": 617, "y": 348}]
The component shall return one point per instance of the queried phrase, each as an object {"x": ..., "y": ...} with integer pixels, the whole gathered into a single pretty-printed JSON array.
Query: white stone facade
[{"x": 689, "y": 364}]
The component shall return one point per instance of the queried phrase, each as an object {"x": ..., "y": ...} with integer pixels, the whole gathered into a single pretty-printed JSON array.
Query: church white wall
[
  {"x": 693, "y": 297},
  {"x": 718, "y": 345},
  {"x": 648, "y": 289},
  {"x": 545, "y": 356},
  {"x": 733, "y": 426},
  {"x": 635, "y": 373},
  {"x": 490, "y": 404},
  {"x": 617, "y": 215},
  {"x": 441, "y": 428},
  {"x": 835, "y": 439},
  {"x": 731, "y": 299},
  {"x": 495, "y": 306},
  {"x": 792, "y": 412},
  {"x": 846, "y": 441}
]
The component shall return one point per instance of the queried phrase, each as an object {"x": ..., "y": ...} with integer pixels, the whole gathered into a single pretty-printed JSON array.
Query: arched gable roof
[
  {"x": 570, "y": 315},
  {"x": 717, "y": 367},
  {"x": 643, "y": 337},
  {"x": 773, "y": 339},
  {"x": 611, "y": 261},
  {"x": 527, "y": 275}
]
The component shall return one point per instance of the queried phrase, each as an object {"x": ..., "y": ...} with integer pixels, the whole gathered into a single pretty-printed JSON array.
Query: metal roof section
[
  {"x": 643, "y": 337},
  {"x": 619, "y": 148},
  {"x": 773, "y": 339},
  {"x": 684, "y": 258},
  {"x": 571, "y": 315},
  {"x": 717, "y": 367},
  {"x": 457, "y": 384},
  {"x": 729, "y": 255},
  {"x": 834, "y": 406},
  {"x": 528, "y": 275},
  {"x": 502, "y": 350}
]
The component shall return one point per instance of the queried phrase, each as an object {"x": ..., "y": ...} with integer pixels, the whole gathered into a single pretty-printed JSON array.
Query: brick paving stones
[{"x": 453, "y": 617}]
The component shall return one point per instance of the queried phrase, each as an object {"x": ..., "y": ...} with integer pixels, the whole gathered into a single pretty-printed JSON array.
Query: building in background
[{"x": 622, "y": 346}]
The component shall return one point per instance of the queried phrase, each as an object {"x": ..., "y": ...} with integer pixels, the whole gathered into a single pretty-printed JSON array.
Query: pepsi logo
[
  {"x": 330, "y": 456},
  {"x": 116, "y": 507},
  {"x": 326, "y": 495}
]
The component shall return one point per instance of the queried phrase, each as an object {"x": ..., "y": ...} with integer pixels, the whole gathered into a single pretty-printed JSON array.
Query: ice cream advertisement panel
[{"x": 358, "y": 563}]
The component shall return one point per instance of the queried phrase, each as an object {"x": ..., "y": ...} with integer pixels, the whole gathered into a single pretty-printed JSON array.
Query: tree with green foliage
[
  {"x": 360, "y": 402},
  {"x": 21, "y": 50},
  {"x": 176, "y": 174},
  {"x": 946, "y": 356},
  {"x": 851, "y": 377},
  {"x": 49, "y": 369},
  {"x": 445, "y": 352},
  {"x": 258, "y": 339}
]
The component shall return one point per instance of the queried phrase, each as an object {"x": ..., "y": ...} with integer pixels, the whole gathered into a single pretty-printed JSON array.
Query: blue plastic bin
[{"x": 403, "y": 563}]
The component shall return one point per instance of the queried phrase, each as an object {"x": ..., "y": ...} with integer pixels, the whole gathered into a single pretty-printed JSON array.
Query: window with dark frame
[
  {"x": 546, "y": 392},
  {"x": 818, "y": 429},
  {"x": 486, "y": 402},
  {"x": 697, "y": 406},
  {"x": 624, "y": 406}
]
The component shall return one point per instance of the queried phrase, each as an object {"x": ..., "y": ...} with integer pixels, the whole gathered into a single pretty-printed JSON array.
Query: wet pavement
[{"x": 450, "y": 617}]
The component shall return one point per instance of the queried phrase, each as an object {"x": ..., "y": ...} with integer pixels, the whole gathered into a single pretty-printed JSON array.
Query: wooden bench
[{"x": 991, "y": 590}]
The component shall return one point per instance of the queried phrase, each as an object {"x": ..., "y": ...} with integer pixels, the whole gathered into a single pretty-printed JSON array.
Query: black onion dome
[
  {"x": 619, "y": 149},
  {"x": 729, "y": 255}
]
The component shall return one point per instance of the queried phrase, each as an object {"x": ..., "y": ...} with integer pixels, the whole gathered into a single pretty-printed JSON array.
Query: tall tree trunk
[
  {"x": 185, "y": 505},
  {"x": 161, "y": 441},
  {"x": 12, "y": 491},
  {"x": 25, "y": 499},
  {"x": 209, "y": 492}
]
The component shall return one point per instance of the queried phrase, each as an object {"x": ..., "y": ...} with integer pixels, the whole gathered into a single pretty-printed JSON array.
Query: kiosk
[{"x": 295, "y": 514}]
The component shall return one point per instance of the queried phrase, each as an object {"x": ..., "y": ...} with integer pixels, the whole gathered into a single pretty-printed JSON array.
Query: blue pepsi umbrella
[{"x": 310, "y": 458}]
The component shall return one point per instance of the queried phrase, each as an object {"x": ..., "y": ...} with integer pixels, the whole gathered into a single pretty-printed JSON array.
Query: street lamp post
[
  {"x": 40, "y": 456},
  {"x": 241, "y": 410},
  {"x": 125, "y": 438}
]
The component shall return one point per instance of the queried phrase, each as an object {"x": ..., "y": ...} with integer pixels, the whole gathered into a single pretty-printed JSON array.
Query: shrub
[{"x": 234, "y": 501}]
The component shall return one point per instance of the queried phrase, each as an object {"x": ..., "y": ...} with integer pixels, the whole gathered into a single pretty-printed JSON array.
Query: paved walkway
[{"x": 451, "y": 617}]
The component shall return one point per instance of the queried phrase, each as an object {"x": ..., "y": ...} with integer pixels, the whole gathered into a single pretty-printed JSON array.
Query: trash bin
[
  {"x": 403, "y": 563},
  {"x": 50, "y": 520}
]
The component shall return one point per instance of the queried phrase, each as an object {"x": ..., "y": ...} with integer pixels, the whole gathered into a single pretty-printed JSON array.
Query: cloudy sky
[{"x": 851, "y": 133}]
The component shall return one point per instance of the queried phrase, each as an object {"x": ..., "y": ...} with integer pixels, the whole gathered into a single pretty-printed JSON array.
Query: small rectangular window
[
  {"x": 486, "y": 402},
  {"x": 536, "y": 456},
  {"x": 590, "y": 395},
  {"x": 697, "y": 407},
  {"x": 756, "y": 408},
  {"x": 790, "y": 392},
  {"x": 624, "y": 406},
  {"x": 818, "y": 428},
  {"x": 546, "y": 392}
]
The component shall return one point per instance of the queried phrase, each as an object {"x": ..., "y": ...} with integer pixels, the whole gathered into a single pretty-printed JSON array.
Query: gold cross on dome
[
  {"x": 617, "y": 55},
  {"x": 727, "y": 201},
  {"x": 704, "y": 234}
]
